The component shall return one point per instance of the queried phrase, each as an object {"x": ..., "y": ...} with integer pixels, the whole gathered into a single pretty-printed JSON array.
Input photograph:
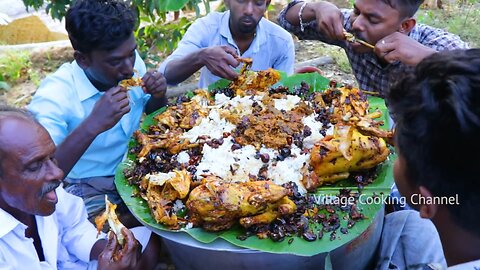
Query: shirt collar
[
  {"x": 84, "y": 87},
  {"x": 259, "y": 39},
  {"x": 9, "y": 223},
  {"x": 225, "y": 27}
]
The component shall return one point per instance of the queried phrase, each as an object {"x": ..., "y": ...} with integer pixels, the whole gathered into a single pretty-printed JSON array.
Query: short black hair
[
  {"x": 99, "y": 24},
  {"x": 10, "y": 111},
  {"x": 407, "y": 8},
  {"x": 437, "y": 111}
]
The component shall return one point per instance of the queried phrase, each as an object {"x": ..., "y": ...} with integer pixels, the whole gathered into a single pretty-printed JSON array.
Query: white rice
[
  {"x": 315, "y": 127},
  {"x": 238, "y": 165},
  {"x": 213, "y": 126},
  {"x": 287, "y": 104},
  {"x": 183, "y": 157}
]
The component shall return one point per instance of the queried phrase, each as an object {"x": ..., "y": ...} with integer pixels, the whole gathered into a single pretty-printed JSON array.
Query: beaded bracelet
[{"x": 302, "y": 25}]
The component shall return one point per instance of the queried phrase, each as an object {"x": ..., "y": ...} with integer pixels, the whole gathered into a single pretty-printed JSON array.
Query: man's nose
[
  {"x": 248, "y": 8},
  {"x": 127, "y": 68},
  {"x": 358, "y": 24},
  {"x": 54, "y": 172}
]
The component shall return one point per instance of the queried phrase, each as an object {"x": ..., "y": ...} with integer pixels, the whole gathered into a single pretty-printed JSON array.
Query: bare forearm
[
  {"x": 308, "y": 13},
  {"x": 179, "y": 70},
  {"x": 74, "y": 146}
]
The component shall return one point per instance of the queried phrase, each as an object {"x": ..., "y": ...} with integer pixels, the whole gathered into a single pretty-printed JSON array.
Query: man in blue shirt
[
  {"x": 214, "y": 43},
  {"x": 88, "y": 115},
  {"x": 437, "y": 109}
]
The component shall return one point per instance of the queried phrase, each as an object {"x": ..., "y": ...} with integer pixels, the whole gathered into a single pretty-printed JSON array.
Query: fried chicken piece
[
  {"x": 171, "y": 141},
  {"x": 185, "y": 115},
  {"x": 251, "y": 82},
  {"x": 334, "y": 157},
  {"x": 162, "y": 191},
  {"x": 217, "y": 205},
  {"x": 113, "y": 221},
  {"x": 283, "y": 207},
  {"x": 132, "y": 82}
]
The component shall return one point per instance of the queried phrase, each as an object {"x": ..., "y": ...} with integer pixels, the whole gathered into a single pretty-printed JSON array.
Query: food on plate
[
  {"x": 348, "y": 150},
  {"x": 249, "y": 153},
  {"x": 217, "y": 205},
  {"x": 113, "y": 221},
  {"x": 162, "y": 189}
]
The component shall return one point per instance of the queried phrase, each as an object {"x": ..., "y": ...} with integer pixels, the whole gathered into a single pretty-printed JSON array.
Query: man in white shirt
[
  {"x": 214, "y": 42},
  {"x": 44, "y": 227},
  {"x": 437, "y": 137}
]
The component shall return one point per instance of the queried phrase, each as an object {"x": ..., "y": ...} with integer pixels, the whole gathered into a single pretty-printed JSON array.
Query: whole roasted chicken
[{"x": 217, "y": 205}]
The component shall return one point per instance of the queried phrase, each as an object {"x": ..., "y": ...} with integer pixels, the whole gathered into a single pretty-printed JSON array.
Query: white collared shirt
[
  {"x": 272, "y": 46},
  {"x": 67, "y": 238}
]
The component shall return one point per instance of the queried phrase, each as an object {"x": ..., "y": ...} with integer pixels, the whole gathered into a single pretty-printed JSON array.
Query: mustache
[
  {"x": 49, "y": 187},
  {"x": 359, "y": 36},
  {"x": 247, "y": 18}
]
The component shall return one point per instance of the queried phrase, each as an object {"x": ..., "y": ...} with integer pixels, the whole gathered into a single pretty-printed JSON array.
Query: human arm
[
  {"x": 218, "y": 59},
  {"x": 106, "y": 113},
  {"x": 286, "y": 60},
  {"x": 200, "y": 46},
  {"x": 322, "y": 21}
]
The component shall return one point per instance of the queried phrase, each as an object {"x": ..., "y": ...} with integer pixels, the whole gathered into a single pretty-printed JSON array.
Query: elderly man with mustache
[{"x": 44, "y": 227}]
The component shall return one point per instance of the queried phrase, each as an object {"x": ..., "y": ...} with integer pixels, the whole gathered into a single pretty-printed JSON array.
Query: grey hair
[{"x": 7, "y": 111}]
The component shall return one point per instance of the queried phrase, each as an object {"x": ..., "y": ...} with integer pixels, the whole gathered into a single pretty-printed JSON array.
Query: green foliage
[
  {"x": 14, "y": 66},
  {"x": 460, "y": 20},
  {"x": 158, "y": 38},
  {"x": 155, "y": 33},
  {"x": 3, "y": 84}
]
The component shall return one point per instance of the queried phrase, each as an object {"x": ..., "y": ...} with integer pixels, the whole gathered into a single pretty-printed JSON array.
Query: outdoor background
[{"x": 22, "y": 67}]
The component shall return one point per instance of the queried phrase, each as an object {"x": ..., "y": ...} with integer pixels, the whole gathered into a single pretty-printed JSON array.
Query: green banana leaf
[
  {"x": 171, "y": 5},
  {"x": 297, "y": 246}
]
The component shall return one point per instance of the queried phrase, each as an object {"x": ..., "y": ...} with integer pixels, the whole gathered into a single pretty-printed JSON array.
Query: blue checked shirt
[{"x": 370, "y": 74}]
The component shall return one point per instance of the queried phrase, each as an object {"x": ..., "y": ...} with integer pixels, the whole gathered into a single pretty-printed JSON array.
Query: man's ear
[
  {"x": 82, "y": 59},
  {"x": 427, "y": 210},
  {"x": 407, "y": 25}
]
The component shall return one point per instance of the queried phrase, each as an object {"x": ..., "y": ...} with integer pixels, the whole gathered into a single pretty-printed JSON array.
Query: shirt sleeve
[
  {"x": 287, "y": 59},
  {"x": 194, "y": 39},
  {"x": 50, "y": 107},
  {"x": 439, "y": 39},
  {"x": 311, "y": 30},
  {"x": 77, "y": 234}
]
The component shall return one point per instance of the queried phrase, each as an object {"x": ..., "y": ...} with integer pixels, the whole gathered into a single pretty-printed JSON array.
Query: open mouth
[{"x": 49, "y": 193}]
